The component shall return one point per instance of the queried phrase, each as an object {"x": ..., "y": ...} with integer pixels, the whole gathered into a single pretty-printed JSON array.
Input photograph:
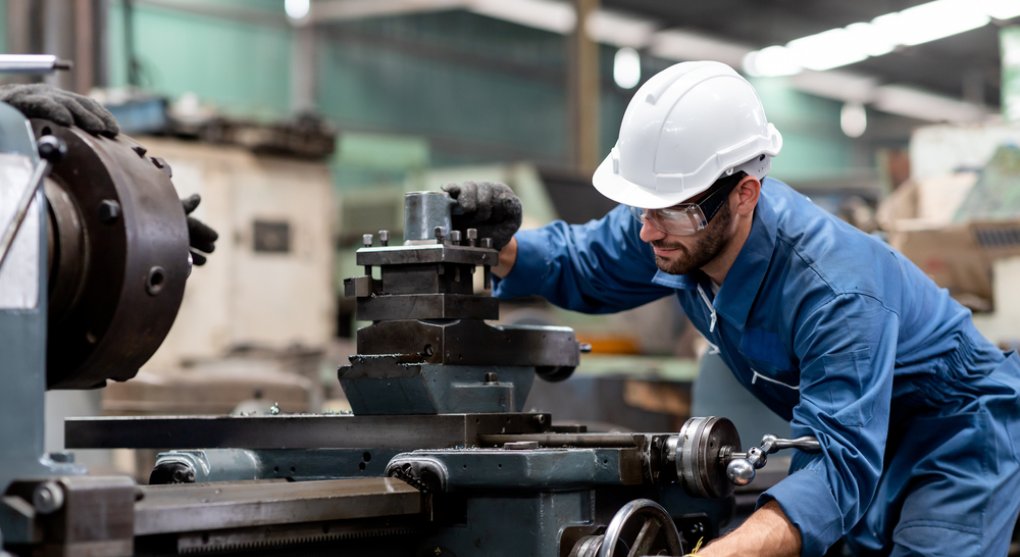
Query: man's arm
[{"x": 766, "y": 532}]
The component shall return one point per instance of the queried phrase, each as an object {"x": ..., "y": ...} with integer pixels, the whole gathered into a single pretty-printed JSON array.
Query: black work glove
[
  {"x": 201, "y": 236},
  {"x": 491, "y": 207},
  {"x": 38, "y": 100}
]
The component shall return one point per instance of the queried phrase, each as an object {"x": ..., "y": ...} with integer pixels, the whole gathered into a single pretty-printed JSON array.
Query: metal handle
[
  {"x": 807, "y": 443},
  {"x": 741, "y": 470}
]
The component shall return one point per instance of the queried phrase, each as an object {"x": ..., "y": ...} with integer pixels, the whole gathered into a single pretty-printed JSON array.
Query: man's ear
[{"x": 746, "y": 195}]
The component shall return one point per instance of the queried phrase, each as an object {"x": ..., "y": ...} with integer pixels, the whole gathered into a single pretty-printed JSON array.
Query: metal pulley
[
  {"x": 706, "y": 455},
  {"x": 118, "y": 258},
  {"x": 700, "y": 453}
]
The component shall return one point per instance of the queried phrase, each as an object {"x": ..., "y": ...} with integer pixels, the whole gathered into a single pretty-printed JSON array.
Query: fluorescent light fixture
[
  {"x": 297, "y": 9},
  {"x": 773, "y": 61},
  {"x": 627, "y": 68},
  {"x": 922, "y": 105},
  {"x": 619, "y": 29},
  {"x": 1002, "y": 9},
  {"x": 826, "y": 50},
  {"x": 931, "y": 21},
  {"x": 871, "y": 39},
  {"x": 853, "y": 119},
  {"x": 677, "y": 44},
  {"x": 558, "y": 17},
  {"x": 855, "y": 42}
]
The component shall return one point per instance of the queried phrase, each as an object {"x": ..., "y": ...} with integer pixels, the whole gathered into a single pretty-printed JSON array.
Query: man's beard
[{"x": 714, "y": 241}]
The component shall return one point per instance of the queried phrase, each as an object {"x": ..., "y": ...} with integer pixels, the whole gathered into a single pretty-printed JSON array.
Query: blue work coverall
[{"x": 917, "y": 413}]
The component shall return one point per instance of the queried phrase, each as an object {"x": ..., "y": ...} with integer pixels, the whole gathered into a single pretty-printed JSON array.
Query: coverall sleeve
[
  {"x": 598, "y": 267},
  {"x": 846, "y": 349}
]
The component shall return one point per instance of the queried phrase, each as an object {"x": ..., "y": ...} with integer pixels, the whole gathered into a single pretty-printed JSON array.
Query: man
[
  {"x": 917, "y": 414},
  {"x": 39, "y": 100}
]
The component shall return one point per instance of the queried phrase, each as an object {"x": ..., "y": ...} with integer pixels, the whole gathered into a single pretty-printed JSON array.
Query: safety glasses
[{"x": 686, "y": 219}]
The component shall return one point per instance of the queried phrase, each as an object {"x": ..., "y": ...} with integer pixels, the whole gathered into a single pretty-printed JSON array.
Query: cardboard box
[{"x": 959, "y": 256}]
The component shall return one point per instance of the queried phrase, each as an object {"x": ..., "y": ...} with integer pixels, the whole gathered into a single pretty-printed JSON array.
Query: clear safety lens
[{"x": 679, "y": 220}]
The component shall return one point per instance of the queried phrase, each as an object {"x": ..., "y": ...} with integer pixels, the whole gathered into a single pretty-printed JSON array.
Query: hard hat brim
[{"x": 619, "y": 189}]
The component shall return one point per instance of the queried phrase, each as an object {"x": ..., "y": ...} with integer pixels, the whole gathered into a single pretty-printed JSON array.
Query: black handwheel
[{"x": 641, "y": 527}]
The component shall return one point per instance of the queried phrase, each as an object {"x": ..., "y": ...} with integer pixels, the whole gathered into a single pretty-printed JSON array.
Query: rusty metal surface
[
  {"x": 224, "y": 505},
  {"x": 120, "y": 259},
  {"x": 294, "y": 431}
]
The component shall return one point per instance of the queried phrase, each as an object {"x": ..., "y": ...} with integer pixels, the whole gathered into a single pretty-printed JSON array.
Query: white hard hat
[{"x": 686, "y": 127}]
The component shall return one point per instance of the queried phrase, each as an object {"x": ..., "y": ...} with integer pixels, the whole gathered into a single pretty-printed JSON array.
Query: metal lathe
[{"x": 439, "y": 457}]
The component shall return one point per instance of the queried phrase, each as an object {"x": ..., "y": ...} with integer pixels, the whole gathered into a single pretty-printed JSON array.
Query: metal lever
[
  {"x": 743, "y": 467},
  {"x": 51, "y": 150},
  {"x": 32, "y": 63},
  {"x": 807, "y": 443}
]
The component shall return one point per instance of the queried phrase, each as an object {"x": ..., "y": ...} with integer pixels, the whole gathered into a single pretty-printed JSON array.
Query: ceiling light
[
  {"x": 627, "y": 68},
  {"x": 297, "y": 9},
  {"x": 931, "y": 21},
  {"x": 773, "y": 61},
  {"x": 853, "y": 119},
  {"x": 1002, "y": 9},
  {"x": 870, "y": 39},
  {"x": 826, "y": 50}
]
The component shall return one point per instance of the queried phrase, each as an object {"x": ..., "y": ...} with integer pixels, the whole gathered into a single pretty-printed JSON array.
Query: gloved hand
[
  {"x": 38, "y": 100},
  {"x": 491, "y": 207},
  {"x": 201, "y": 236}
]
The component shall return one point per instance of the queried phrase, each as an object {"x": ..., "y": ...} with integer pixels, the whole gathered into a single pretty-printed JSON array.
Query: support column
[{"x": 583, "y": 90}]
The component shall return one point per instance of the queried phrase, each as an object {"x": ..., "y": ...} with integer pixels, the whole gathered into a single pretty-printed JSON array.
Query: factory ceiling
[{"x": 965, "y": 66}]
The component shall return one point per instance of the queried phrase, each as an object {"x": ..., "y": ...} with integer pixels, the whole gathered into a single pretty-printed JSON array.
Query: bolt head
[
  {"x": 109, "y": 211},
  {"x": 47, "y": 498}
]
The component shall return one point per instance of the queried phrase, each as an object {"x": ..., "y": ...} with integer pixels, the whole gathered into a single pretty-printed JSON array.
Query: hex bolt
[
  {"x": 109, "y": 211},
  {"x": 455, "y": 237},
  {"x": 487, "y": 243},
  {"x": 366, "y": 240},
  {"x": 491, "y": 377},
  {"x": 472, "y": 236},
  {"x": 439, "y": 233},
  {"x": 384, "y": 237},
  {"x": 47, "y": 498}
]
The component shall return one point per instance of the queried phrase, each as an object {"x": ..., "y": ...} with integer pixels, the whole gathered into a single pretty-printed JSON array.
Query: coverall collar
[{"x": 740, "y": 288}]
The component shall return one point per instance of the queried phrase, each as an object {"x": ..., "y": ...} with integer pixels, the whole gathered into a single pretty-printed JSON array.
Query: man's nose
[{"x": 650, "y": 233}]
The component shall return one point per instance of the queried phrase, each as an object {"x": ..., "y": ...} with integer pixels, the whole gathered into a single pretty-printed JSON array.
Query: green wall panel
[
  {"x": 480, "y": 90},
  {"x": 814, "y": 146},
  {"x": 242, "y": 67}
]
